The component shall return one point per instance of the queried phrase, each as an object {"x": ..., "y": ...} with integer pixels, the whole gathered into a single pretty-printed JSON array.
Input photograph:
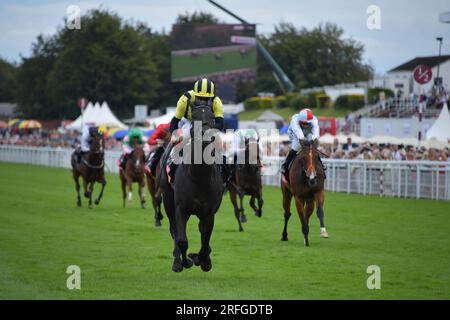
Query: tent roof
[
  {"x": 165, "y": 118},
  {"x": 269, "y": 116},
  {"x": 441, "y": 128},
  {"x": 97, "y": 115}
]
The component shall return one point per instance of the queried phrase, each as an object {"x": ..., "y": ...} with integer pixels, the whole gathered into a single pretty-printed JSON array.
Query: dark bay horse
[
  {"x": 134, "y": 172},
  {"x": 247, "y": 181},
  {"x": 91, "y": 169},
  {"x": 306, "y": 184},
  {"x": 197, "y": 191},
  {"x": 155, "y": 192}
]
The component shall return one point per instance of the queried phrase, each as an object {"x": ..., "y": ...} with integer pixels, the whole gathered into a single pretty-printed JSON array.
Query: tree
[
  {"x": 8, "y": 83},
  {"x": 106, "y": 60}
]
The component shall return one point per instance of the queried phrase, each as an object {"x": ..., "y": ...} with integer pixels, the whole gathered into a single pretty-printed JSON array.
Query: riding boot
[
  {"x": 287, "y": 163},
  {"x": 172, "y": 169},
  {"x": 324, "y": 168},
  {"x": 155, "y": 158}
]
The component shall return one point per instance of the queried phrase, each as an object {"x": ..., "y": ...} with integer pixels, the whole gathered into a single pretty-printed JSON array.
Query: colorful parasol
[
  {"x": 3, "y": 124},
  {"x": 13, "y": 122},
  {"x": 30, "y": 124}
]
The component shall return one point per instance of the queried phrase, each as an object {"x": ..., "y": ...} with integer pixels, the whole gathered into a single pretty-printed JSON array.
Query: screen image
[{"x": 221, "y": 52}]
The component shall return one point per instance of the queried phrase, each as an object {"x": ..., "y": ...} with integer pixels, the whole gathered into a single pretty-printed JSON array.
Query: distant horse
[
  {"x": 155, "y": 191},
  {"x": 91, "y": 169},
  {"x": 247, "y": 181},
  {"x": 134, "y": 172},
  {"x": 197, "y": 190},
  {"x": 306, "y": 184}
]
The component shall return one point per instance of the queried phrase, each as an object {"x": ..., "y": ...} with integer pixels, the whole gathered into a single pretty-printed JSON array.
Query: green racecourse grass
[{"x": 122, "y": 255}]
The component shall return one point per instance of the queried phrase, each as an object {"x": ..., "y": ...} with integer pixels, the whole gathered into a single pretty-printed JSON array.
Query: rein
[{"x": 100, "y": 166}]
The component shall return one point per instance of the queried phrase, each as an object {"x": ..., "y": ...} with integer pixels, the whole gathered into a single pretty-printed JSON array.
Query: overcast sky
[{"x": 408, "y": 27}]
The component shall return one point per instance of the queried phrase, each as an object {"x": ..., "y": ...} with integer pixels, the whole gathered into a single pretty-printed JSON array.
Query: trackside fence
[{"x": 402, "y": 179}]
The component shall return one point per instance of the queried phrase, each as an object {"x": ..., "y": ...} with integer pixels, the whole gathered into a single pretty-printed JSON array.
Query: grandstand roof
[{"x": 428, "y": 61}]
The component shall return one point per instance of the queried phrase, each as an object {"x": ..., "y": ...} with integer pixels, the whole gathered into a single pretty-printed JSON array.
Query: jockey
[
  {"x": 304, "y": 126},
  {"x": 238, "y": 143},
  {"x": 201, "y": 95},
  {"x": 133, "y": 138},
  {"x": 86, "y": 137},
  {"x": 160, "y": 136}
]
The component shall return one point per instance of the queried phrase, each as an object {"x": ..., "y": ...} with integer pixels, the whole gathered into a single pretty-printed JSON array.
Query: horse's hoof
[
  {"x": 188, "y": 263},
  {"x": 157, "y": 223},
  {"x": 241, "y": 229},
  {"x": 306, "y": 242},
  {"x": 195, "y": 259},
  {"x": 97, "y": 202},
  {"x": 243, "y": 218},
  {"x": 258, "y": 214},
  {"x": 90, "y": 206},
  {"x": 177, "y": 267},
  {"x": 78, "y": 204},
  {"x": 206, "y": 266},
  {"x": 143, "y": 206},
  {"x": 87, "y": 195},
  {"x": 284, "y": 239},
  {"x": 323, "y": 233}
]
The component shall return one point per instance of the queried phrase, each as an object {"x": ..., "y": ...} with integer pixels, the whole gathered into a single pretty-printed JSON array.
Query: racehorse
[
  {"x": 197, "y": 190},
  {"x": 134, "y": 172},
  {"x": 247, "y": 181},
  {"x": 91, "y": 169},
  {"x": 306, "y": 184},
  {"x": 155, "y": 192}
]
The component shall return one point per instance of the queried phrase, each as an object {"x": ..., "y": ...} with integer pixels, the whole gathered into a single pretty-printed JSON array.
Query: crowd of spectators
[
  {"x": 349, "y": 150},
  {"x": 52, "y": 139},
  {"x": 374, "y": 151}
]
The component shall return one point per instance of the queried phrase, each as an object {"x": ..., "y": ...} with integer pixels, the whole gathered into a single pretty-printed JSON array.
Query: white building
[{"x": 402, "y": 76}]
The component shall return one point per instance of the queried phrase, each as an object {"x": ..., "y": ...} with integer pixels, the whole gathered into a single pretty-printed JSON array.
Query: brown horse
[
  {"x": 134, "y": 172},
  {"x": 247, "y": 181},
  {"x": 306, "y": 184},
  {"x": 91, "y": 169},
  {"x": 155, "y": 192}
]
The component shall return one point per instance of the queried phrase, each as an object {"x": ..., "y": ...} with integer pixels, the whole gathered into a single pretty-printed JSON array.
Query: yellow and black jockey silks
[
  {"x": 204, "y": 88},
  {"x": 188, "y": 99}
]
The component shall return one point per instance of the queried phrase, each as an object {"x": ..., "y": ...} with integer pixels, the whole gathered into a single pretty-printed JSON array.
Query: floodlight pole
[{"x": 282, "y": 78}]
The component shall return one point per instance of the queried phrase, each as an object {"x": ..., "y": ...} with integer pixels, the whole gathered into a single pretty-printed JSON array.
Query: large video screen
[{"x": 221, "y": 52}]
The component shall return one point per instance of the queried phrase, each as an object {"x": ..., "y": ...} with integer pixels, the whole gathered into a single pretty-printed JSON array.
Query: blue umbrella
[
  {"x": 284, "y": 129},
  {"x": 120, "y": 134},
  {"x": 148, "y": 133}
]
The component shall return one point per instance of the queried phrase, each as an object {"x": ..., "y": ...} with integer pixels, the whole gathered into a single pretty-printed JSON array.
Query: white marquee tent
[
  {"x": 97, "y": 115},
  {"x": 441, "y": 128}
]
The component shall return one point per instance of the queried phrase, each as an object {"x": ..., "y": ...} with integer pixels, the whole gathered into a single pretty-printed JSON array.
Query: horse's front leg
[
  {"x": 91, "y": 190},
  {"x": 85, "y": 188},
  {"x": 130, "y": 189},
  {"x": 243, "y": 217},
  {"x": 236, "y": 209},
  {"x": 320, "y": 198},
  {"x": 300, "y": 203},
  {"x": 181, "y": 221},
  {"x": 77, "y": 188},
  {"x": 103, "y": 182},
  {"x": 260, "y": 204},
  {"x": 287, "y": 197},
  {"x": 142, "y": 192},
  {"x": 206, "y": 228}
]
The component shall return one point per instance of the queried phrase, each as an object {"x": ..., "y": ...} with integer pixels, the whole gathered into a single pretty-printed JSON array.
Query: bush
[
  {"x": 258, "y": 103},
  {"x": 350, "y": 101},
  {"x": 312, "y": 98},
  {"x": 323, "y": 101}
]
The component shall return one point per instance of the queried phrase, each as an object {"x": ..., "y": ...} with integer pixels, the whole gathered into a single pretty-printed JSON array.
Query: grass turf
[{"x": 122, "y": 255}]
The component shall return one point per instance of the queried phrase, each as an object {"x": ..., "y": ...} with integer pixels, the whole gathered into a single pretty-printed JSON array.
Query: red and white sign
[
  {"x": 82, "y": 103},
  {"x": 423, "y": 74}
]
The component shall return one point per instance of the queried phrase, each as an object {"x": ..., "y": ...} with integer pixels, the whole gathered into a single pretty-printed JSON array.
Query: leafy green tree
[
  {"x": 106, "y": 60},
  {"x": 8, "y": 82}
]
